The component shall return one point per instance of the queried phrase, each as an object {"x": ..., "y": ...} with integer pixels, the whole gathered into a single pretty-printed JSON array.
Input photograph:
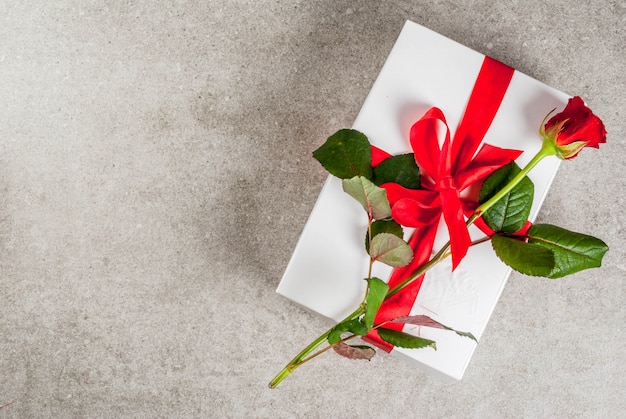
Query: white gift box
[{"x": 424, "y": 69}]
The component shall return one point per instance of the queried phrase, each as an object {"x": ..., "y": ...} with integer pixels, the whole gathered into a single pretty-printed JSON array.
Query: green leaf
[
  {"x": 373, "y": 198},
  {"x": 404, "y": 340},
  {"x": 335, "y": 334},
  {"x": 376, "y": 293},
  {"x": 573, "y": 252},
  {"x": 390, "y": 250},
  {"x": 354, "y": 326},
  {"x": 383, "y": 226},
  {"x": 354, "y": 351},
  {"x": 510, "y": 213},
  {"x": 425, "y": 321},
  {"x": 527, "y": 258},
  {"x": 345, "y": 154},
  {"x": 400, "y": 169}
]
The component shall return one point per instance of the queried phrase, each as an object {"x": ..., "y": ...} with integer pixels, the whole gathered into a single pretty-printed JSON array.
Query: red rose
[{"x": 574, "y": 129}]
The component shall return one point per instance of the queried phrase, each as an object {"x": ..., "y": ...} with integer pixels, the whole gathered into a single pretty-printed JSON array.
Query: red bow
[{"x": 445, "y": 173}]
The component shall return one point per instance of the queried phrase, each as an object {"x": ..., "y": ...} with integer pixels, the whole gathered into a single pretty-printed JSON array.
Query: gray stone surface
[{"x": 155, "y": 173}]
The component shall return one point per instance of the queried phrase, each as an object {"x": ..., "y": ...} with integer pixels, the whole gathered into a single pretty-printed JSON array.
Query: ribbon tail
[
  {"x": 460, "y": 240},
  {"x": 400, "y": 304}
]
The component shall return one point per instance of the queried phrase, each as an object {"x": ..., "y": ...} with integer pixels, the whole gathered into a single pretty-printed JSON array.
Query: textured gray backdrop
[{"x": 155, "y": 175}]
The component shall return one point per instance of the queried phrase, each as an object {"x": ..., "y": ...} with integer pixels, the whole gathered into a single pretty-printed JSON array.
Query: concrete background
[{"x": 155, "y": 175}]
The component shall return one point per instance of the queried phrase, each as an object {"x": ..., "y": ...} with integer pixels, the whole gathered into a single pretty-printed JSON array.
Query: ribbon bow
[{"x": 445, "y": 173}]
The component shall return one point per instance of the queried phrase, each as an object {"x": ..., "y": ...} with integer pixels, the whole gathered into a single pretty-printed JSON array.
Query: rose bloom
[{"x": 574, "y": 129}]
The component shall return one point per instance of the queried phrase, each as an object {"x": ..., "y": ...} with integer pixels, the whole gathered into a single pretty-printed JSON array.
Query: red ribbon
[{"x": 445, "y": 173}]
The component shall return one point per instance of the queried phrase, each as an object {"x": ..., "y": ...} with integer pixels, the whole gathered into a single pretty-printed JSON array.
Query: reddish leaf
[
  {"x": 420, "y": 320},
  {"x": 354, "y": 352},
  {"x": 390, "y": 250}
]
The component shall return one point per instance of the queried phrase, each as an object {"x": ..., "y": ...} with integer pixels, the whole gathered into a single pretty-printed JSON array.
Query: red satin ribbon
[{"x": 445, "y": 173}]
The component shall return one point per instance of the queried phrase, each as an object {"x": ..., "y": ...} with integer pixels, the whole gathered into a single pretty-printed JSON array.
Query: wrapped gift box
[{"x": 424, "y": 69}]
